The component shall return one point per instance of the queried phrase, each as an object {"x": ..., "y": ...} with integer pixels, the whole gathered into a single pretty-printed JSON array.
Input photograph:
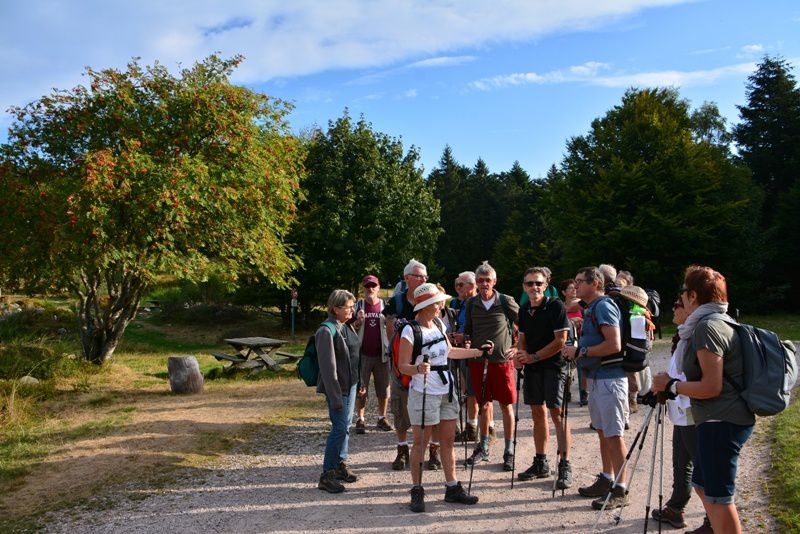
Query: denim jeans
[
  {"x": 336, "y": 448},
  {"x": 717, "y": 457}
]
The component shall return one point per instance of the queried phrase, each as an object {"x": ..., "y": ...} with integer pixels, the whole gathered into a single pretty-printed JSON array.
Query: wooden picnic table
[{"x": 254, "y": 353}]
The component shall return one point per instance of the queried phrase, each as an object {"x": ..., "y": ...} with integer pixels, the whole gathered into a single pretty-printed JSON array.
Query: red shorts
[{"x": 500, "y": 382}]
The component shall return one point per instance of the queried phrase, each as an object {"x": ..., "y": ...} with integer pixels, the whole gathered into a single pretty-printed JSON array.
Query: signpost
[{"x": 294, "y": 308}]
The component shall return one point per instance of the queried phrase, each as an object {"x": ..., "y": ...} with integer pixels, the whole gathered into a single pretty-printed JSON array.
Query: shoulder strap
[{"x": 331, "y": 327}]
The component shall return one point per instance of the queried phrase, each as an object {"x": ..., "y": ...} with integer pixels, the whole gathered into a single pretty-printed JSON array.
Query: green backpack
[{"x": 308, "y": 366}]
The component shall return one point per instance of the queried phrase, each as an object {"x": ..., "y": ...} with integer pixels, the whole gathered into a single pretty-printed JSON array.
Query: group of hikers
[{"x": 433, "y": 357}]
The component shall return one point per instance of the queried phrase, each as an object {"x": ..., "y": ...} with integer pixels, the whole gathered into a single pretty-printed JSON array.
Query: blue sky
[{"x": 501, "y": 80}]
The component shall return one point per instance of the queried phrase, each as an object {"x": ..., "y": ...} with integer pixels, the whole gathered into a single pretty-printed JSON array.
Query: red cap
[{"x": 370, "y": 279}]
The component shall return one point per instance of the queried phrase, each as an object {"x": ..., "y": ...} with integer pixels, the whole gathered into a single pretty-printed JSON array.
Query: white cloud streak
[
  {"x": 589, "y": 73},
  {"x": 45, "y": 44}
]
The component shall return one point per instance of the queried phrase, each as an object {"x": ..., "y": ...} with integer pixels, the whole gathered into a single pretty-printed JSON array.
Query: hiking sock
[
  {"x": 435, "y": 443},
  {"x": 509, "y": 447},
  {"x": 608, "y": 476},
  {"x": 473, "y": 422},
  {"x": 450, "y": 483},
  {"x": 485, "y": 443},
  {"x": 622, "y": 485},
  {"x": 401, "y": 443}
]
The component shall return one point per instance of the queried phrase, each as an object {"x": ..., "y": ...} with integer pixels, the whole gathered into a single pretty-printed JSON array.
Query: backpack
[
  {"x": 635, "y": 353},
  {"x": 308, "y": 366},
  {"x": 769, "y": 368},
  {"x": 653, "y": 303},
  {"x": 394, "y": 347}
]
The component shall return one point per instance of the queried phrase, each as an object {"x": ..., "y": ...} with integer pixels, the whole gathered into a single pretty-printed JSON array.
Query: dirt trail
[{"x": 269, "y": 483}]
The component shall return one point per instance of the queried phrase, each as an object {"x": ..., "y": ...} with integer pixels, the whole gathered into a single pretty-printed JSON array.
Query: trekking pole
[
  {"x": 516, "y": 426},
  {"x": 480, "y": 413},
  {"x": 661, "y": 474},
  {"x": 642, "y": 433},
  {"x": 652, "y": 470},
  {"x": 633, "y": 470},
  {"x": 422, "y": 426},
  {"x": 563, "y": 429}
]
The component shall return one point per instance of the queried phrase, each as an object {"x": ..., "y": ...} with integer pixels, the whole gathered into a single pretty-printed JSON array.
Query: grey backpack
[{"x": 769, "y": 368}]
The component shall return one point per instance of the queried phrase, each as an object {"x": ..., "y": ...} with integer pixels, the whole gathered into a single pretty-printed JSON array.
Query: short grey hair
[
  {"x": 338, "y": 298},
  {"x": 414, "y": 264},
  {"x": 486, "y": 269},
  {"x": 593, "y": 275},
  {"x": 467, "y": 276},
  {"x": 544, "y": 271},
  {"x": 609, "y": 272}
]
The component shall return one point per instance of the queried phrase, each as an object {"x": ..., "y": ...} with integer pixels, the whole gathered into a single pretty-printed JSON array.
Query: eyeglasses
[
  {"x": 418, "y": 276},
  {"x": 460, "y": 284},
  {"x": 531, "y": 283},
  {"x": 351, "y": 307},
  {"x": 581, "y": 280},
  {"x": 484, "y": 280}
]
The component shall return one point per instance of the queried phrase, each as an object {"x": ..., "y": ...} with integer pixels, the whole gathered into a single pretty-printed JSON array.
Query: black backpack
[{"x": 635, "y": 354}]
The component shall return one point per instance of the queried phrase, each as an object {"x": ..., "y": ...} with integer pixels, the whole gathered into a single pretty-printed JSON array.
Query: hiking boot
[
  {"x": 618, "y": 499},
  {"x": 478, "y": 455},
  {"x": 328, "y": 482},
  {"x": 384, "y": 425},
  {"x": 361, "y": 428},
  {"x": 564, "y": 479},
  {"x": 634, "y": 408},
  {"x": 434, "y": 463},
  {"x": 401, "y": 461},
  {"x": 705, "y": 528},
  {"x": 344, "y": 474},
  {"x": 584, "y": 400},
  {"x": 468, "y": 434},
  {"x": 508, "y": 461},
  {"x": 599, "y": 487},
  {"x": 492, "y": 436},
  {"x": 457, "y": 494},
  {"x": 417, "y": 499},
  {"x": 669, "y": 515},
  {"x": 539, "y": 469}
]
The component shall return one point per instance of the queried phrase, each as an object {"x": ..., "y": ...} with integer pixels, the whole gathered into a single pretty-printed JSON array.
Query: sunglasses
[{"x": 531, "y": 283}]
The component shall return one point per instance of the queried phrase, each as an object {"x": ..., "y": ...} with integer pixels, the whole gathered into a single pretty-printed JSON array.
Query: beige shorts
[
  {"x": 380, "y": 373},
  {"x": 437, "y": 408}
]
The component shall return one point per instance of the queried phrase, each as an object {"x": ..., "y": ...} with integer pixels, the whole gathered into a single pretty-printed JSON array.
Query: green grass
[
  {"x": 787, "y": 326},
  {"x": 785, "y": 490},
  {"x": 144, "y": 340}
]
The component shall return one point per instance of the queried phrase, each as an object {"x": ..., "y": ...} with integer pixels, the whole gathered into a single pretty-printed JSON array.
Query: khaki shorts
[
  {"x": 608, "y": 405},
  {"x": 437, "y": 408},
  {"x": 398, "y": 403},
  {"x": 380, "y": 372}
]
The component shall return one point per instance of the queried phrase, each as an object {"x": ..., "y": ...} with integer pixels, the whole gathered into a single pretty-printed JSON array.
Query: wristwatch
[
  {"x": 536, "y": 357},
  {"x": 583, "y": 352},
  {"x": 673, "y": 387}
]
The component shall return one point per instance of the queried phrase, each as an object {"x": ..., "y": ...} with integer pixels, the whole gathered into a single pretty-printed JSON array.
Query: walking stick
[
  {"x": 516, "y": 426},
  {"x": 642, "y": 433},
  {"x": 661, "y": 474},
  {"x": 652, "y": 469},
  {"x": 633, "y": 470},
  {"x": 424, "y": 396},
  {"x": 480, "y": 412},
  {"x": 563, "y": 429}
]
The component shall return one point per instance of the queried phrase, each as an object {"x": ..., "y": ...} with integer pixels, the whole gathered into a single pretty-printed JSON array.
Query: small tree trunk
[{"x": 184, "y": 374}]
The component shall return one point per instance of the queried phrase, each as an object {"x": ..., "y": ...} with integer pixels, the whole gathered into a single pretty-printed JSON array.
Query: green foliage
[
  {"x": 143, "y": 172},
  {"x": 644, "y": 191},
  {"x": 367, "y": 209},
  {"x": 41, "y": 359},
  {"x": 769, "y": 143},
  {"x": 785, "y": 487}
]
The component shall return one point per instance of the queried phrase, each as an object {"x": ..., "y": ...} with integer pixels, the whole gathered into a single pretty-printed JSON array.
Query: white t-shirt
[{"x": 437, "y": 355}]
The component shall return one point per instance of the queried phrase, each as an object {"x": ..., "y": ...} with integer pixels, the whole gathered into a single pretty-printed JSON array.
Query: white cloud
[
  {"x": 411, "y": 93},
  {"x": 751, "y": 50},
  {"x": 588, "y": 74},
  {"x": 443, "y": 61},
  {"x": 45, "y": 44}
]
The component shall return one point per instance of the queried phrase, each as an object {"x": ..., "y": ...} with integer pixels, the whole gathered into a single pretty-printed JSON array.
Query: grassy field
[{"x": 785, "y": 489}]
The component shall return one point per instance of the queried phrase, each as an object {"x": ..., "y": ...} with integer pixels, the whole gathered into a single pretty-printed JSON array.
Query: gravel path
[{"x": 269, "y": 485}]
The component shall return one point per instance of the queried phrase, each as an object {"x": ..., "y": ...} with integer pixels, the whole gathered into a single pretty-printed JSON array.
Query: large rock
[
  {"x": 184, "y": 374},
  {"x": 28, "y": 380}
]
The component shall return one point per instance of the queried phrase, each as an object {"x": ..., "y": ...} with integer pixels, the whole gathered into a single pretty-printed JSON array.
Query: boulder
[
  {"x": 184, "y": 374},
  {"x": 28, "y": 380}
]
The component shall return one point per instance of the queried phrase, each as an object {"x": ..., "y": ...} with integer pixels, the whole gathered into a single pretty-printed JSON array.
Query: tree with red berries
[{"x": 143, "y": 173}]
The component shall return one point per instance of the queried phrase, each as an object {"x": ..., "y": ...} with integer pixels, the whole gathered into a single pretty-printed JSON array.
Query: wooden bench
[
  {"x": 287, "y": 356},
  {"x": 229, "y": 357}
]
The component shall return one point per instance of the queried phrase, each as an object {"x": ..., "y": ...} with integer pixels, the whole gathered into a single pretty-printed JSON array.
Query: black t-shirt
[
  {"x": 539, "y": 325},
  {"x": 406, "y": 308}
]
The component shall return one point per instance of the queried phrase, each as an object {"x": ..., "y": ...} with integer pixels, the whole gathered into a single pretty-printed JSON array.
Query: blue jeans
[{"x": 336, "y": 448}]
